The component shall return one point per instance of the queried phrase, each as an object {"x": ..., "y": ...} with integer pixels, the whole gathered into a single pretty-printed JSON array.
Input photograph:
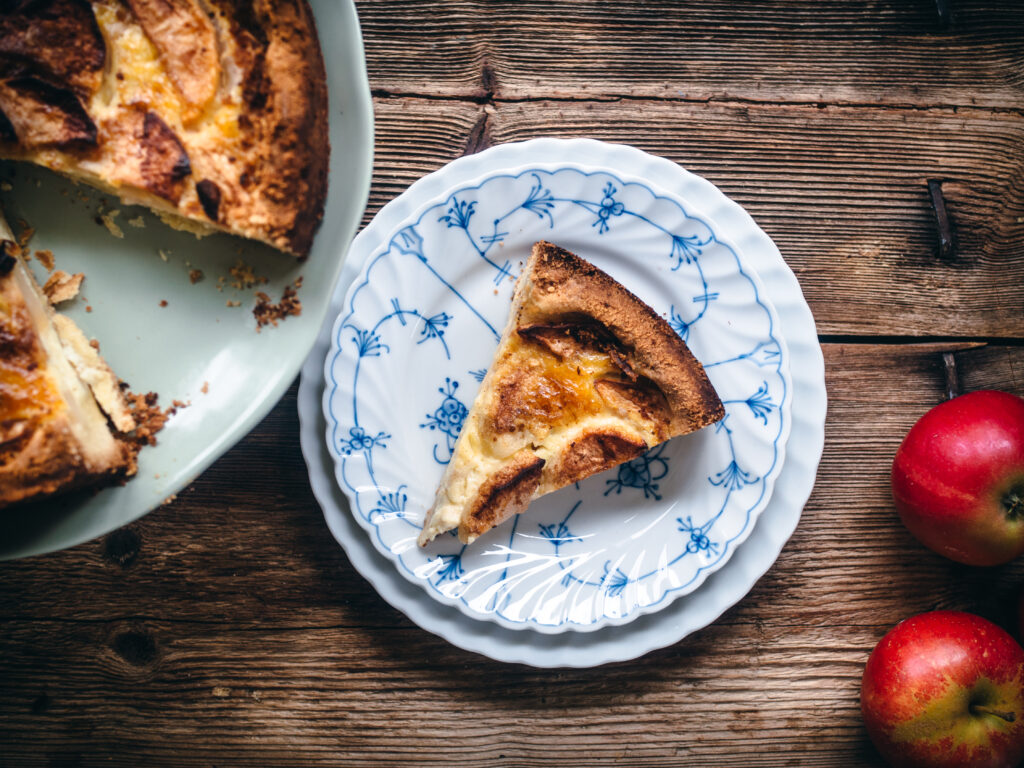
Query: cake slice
[
  {"x": 585, "y": 377},
  {"x": 54, "y": 434}
]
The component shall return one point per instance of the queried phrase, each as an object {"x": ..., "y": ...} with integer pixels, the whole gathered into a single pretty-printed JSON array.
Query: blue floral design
[
  {"x": 679, "y": 325},
  {"x": 448, "y": 418},
  {"x": 760, "y": 403},
  {"x": 558, "y": 533},
  {"x": 686, "y": 249},
  {"x": 614, "y": 583},
  {"x": 641, "y": 472},
  {"x": 609, "y": 207},
  {"x": 368, "y": 343},
  {"x": 699, "y": 541},
  {"x": 433, "y": 327},
  {"x": 459, "y": 213},
  {"x": 451, "y": 567},
  {"x": 360, "y": 441},
  {"x": 540, "y": 201},
  {"x": 390, "y": 505}
]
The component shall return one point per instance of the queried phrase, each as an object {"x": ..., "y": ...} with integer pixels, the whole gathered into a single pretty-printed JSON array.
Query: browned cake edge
[
  {"x": 293, "y": 125},
  {"x": 563, "y": 284}
]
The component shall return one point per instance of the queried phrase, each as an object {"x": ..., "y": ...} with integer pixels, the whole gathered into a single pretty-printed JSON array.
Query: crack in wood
[
  {"x": 484, "y": 97},
  {"x": 479, "y": 135}
]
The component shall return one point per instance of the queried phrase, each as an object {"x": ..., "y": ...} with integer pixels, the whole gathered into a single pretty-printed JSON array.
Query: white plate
[
  {"x": 418, "y": 330},
  {"x": 196, "y": 338},
  {"x": 722, "y": 589}
]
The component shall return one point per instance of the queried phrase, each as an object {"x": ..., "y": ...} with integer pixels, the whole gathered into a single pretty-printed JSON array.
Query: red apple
[
  {"x": 958, "y": 478},
  {"x": 946, "y": 689}
]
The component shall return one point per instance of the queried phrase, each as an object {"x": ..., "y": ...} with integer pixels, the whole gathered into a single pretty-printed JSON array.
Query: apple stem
[{"x": 981, "y": 710}]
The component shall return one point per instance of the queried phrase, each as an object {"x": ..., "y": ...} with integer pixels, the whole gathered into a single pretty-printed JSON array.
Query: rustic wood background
[{"x": 228, "y": 628}]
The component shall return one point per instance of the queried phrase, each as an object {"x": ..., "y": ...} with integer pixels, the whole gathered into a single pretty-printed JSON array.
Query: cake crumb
[
  {"x": 245, "y": 278},
  {"x": 88, "y": 308},
  {"x": 231, "y": 303},
  {"x": 268, "y": 313},
  {"x": 205, "y": 389},
  {"x": 95, "y": 344},
  {"x": 163, "y": 254},
  {"x": 195, "y": 275},
  {"x": 106, "y": 218},
  {"x": 46, "y": 259},
  {"x": 138, "y": 222},
  {"x": 27, "y": 233},
  {"x": 163, "y": 302},
  {"x": 62, "y": 287},
  {"x": 6, "y": 186},
  {"x": 149, "y": 417}
]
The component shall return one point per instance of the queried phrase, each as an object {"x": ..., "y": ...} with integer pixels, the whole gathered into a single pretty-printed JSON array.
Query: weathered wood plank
[
  {"x": 843, "y": 192},
  {"x": 890, "y": 52},
  {"x": 233, "y": 629}
]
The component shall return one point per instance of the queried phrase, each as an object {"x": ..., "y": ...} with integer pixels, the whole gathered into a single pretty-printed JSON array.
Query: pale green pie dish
[{"x": 196, "y": 339}]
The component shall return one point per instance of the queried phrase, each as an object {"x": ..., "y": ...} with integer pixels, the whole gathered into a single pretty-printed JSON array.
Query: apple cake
[{"x": 585, "y": 377}]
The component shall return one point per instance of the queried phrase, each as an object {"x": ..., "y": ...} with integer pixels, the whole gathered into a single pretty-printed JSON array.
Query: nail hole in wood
[
  {"x": 122, "y": 547},
  {"x": 945, "y": 11},
  {"x": 137, "y": 648},
  {"x": 41, "y": 704},
  {"x": 952, "y": 375},
  {"x": 947, "y": 245}
]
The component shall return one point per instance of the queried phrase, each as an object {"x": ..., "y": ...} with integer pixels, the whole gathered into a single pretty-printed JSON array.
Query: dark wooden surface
[{"x": 227, "y": 628}]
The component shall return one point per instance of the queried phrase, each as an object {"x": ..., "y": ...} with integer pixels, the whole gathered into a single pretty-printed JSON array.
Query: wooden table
[{"x": 228, "y": 628}]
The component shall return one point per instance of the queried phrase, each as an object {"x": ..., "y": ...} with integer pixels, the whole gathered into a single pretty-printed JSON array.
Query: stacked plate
[{"x": 624, "y": 562}]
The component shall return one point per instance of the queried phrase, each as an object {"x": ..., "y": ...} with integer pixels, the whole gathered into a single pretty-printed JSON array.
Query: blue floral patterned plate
[{"x": 417, "y": 331}]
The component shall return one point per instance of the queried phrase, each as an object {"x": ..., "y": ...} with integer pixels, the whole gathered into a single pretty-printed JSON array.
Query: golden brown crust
[
  {"x": 506, "y": 493},
  {"x": 562, "y": 284},
  {"x": 285, "y": 94},
  {"x": 42, "y": 115},
  {"x": 226, "y": 126},
  {"x": 594, "y": 452},
  {"x": 58, "y": 40}
]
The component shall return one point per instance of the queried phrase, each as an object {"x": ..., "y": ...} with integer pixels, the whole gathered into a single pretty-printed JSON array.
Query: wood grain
[
  {"x": 843, "y": 192},
  {"x": 228, "y": 627},
  {"x": 894, "y": 52}
]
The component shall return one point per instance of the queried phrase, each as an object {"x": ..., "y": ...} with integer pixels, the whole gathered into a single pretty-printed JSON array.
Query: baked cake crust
[
  {"x": 214, "y": 114},
  {"x": 585, "y": 377}
]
